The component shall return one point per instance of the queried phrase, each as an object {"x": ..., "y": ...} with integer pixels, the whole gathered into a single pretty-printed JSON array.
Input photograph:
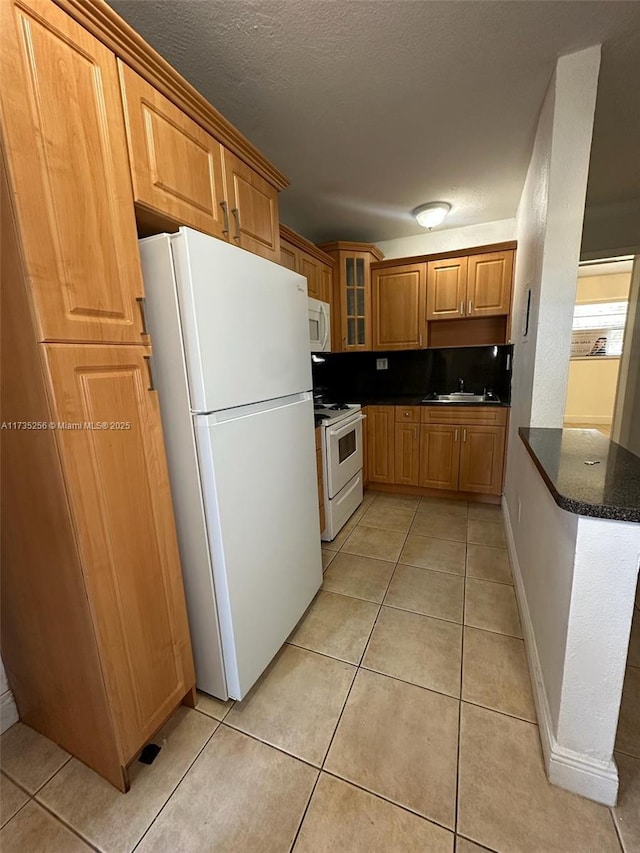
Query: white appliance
[
  {"x": 231, "y": 363},
  {"x": 319, "y": 325},
  {"x": 342, "y": 460}
]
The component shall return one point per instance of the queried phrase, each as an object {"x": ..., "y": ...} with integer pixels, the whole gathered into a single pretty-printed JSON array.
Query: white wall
[
  {"x": 548, "y": 230},
  {"x": 450, "y": 239},
  {"x": 8, "y": 710}
]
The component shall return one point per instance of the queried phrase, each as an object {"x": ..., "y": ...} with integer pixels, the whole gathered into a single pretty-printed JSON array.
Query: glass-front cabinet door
[
  {"x": 356, "y": 294},
  {"x": 351, "y": 316}
]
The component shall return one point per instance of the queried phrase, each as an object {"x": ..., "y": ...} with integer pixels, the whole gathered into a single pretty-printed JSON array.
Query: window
[{"x": 598, "y": 329}]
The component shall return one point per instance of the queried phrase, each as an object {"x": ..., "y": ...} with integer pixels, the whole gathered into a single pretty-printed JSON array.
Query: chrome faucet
[{"x": 461, "y": 386}]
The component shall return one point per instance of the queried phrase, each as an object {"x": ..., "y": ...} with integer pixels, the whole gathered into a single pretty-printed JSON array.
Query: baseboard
[
  {"x": 588, "y": 419},
  {"x": 8, "y": 711},
  {"x": 581, "y": 774}
]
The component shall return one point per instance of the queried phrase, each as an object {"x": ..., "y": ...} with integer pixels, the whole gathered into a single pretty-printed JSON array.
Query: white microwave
[{"x": 319, "y": 326}]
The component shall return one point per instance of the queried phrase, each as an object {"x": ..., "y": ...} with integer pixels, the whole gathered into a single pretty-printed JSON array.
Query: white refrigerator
[{"x": 230, "y": 339}]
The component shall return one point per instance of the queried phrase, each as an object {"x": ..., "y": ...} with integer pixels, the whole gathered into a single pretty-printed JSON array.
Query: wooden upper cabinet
[
  {"x": 118, "y": 486},
  {"x": 253, "y": 209},
  {"x": 67, "y": 160},
  {"x": 288, "y": 256},
  {"x": 446, "y": 288},
  {"x": 489, "y": 284},
  {"x": 399, "y": 307},
  {"x": 381, "y": 444},
  {"x": 326, "y": 274},
  {"x": 176, "y": 166},
  {"x": 351, "y": 288},
  {"x": 482, "y": 459},
  {"x": 439, "y": 456},
  {"x": 310, "y": 269}
]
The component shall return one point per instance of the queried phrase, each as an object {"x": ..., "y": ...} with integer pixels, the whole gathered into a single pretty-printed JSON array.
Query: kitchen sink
[{"x": 461, "y": 397}]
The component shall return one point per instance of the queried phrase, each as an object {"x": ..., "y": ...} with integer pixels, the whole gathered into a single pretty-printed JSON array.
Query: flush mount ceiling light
[{"x": 430, "y": 215}]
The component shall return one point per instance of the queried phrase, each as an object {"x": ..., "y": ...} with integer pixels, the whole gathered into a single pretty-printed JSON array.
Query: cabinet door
[
  {"x": 67, "y": 159},
  {"x": 355, "y": 290},
  {"x": 310, "y": 269},
  {"x": 289, "y": 256},
  {"x": 489, "y": 284},
  {"x": 439, "y": 456},
  {"x": 118, "y": 488},
  {"x": 446, "y": 288},
  {"x": 407, "y": 454},
  {"x": 253, "y": 206},
  {"x": 399, "y": 306},
  {"x": 482, "y": 459},
  {"x": 381, "y": 444},
  {"x": 326, "y": 275},
  {"x": 176, "y": 166}
]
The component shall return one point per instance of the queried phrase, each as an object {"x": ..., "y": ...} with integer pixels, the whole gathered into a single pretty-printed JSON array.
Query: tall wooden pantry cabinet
[{"x": 95, "y": 638}]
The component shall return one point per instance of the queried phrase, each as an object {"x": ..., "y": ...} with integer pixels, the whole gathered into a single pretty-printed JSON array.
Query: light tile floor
[{"x": 398, "y": 717}]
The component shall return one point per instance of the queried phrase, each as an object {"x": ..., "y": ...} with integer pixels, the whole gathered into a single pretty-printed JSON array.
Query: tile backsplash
[{"x": 350, "y": 376}]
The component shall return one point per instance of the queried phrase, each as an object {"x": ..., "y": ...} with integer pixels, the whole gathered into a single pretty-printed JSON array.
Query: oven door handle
[{"x": 346, "y": 427}]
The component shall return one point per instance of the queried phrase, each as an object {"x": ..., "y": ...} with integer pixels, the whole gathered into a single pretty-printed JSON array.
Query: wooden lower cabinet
[
  {"x": 439, "y": 456},
  {"x": 407, "y": 454},
  {"x": 416, "y": 446},
  {"x": 115, "y": 470},
  {"x": 481, "y": 459},
  {"x": 381, "y": 444}
]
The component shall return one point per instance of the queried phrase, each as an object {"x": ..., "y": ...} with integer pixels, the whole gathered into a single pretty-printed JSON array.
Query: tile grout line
[
  {"x": 179, "y": 782},
  {"x": 384, "y": 799},
  {"x": 358, "y": 667},
  {"x": 459, "y": 733},
  {"x": 616, "y": 829},
  {"x": 68, "y": 826}
]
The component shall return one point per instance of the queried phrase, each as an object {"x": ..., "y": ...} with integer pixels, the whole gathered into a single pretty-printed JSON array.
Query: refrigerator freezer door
[
  {"x": 260, "y": 491},
  {"x": 244, "y": 321}
]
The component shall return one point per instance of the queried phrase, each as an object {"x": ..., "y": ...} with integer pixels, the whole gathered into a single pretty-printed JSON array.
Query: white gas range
[{"x": 342, "y": 460}]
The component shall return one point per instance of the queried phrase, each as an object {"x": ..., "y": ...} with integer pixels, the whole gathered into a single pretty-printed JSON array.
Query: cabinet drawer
[
  {"x": 492, "y": 416},
  {"x": 408, "y": 414}
]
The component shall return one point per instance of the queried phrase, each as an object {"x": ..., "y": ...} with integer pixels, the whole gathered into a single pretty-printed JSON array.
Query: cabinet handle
[
  {"x": 225, "y": 211},
  {"x": 141, "y": 304},
  {"x": 455, "y": 437},
  {"x": 470, "y": 307},
  {"x": 464, "y": 435},
  {"x": 236, "y": 215},
  {"x": 462, "y": 308},
  {"x": 152, "y": 386}
]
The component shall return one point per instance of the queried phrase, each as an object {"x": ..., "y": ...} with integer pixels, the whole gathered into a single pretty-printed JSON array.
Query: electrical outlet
[
  {"x": 519, "y": 510},
  {"x": 382, "y": 363}
]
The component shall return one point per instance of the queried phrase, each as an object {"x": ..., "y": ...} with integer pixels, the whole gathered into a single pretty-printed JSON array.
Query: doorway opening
[{"x": 599, "y": 320}]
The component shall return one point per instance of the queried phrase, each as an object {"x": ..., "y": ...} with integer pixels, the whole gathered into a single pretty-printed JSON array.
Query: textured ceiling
[{"x": 371, "y": 108}]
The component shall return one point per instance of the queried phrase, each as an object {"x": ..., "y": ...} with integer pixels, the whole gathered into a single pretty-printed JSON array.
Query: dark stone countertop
[
  {"x": 610, "y": 489},
  {"x": 420, "y": 401}
]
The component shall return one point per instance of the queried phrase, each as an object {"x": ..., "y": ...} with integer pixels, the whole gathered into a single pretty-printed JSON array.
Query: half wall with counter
[{"x": 574, "y": 542}]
